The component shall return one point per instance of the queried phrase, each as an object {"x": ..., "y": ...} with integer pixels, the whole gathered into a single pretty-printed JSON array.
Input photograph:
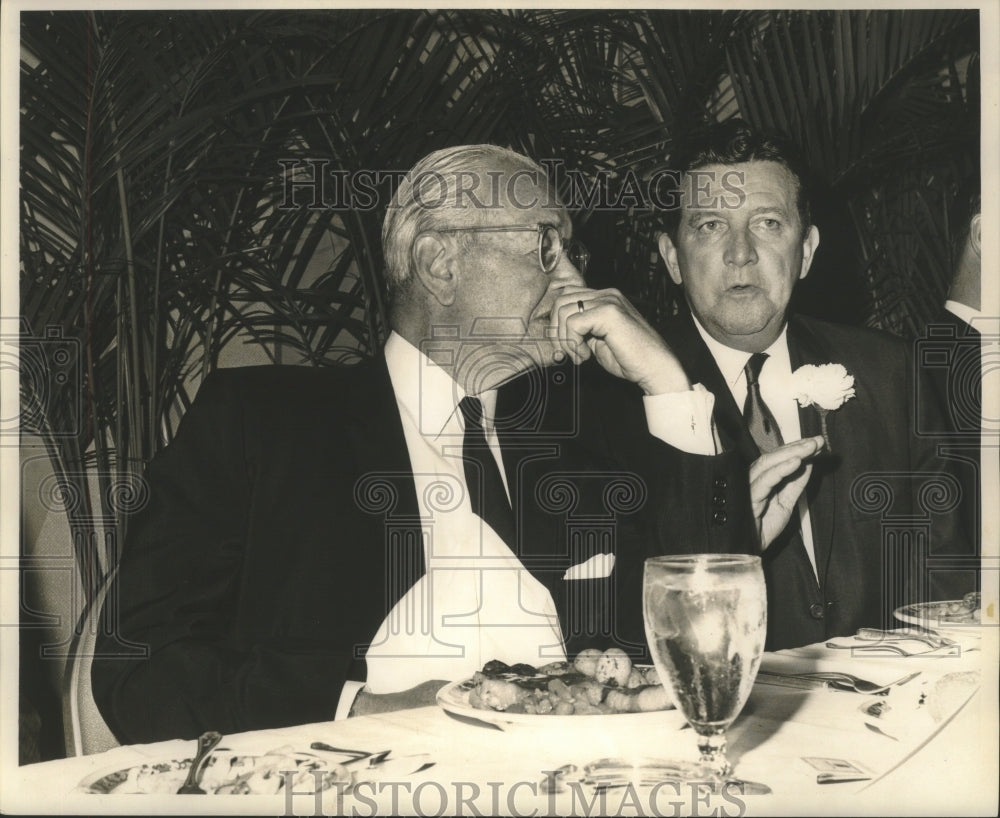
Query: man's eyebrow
[{"x": 694, "y": 213}]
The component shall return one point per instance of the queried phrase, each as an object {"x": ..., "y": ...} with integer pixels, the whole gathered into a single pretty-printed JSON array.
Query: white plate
[
  {"x": 934, "y": 617},
  {"x": 454, "y": 698},
  {"x": 223, "y": 770}
]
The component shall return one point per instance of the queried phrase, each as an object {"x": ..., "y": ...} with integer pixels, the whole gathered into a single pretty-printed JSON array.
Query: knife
[
  {"x": 841, "y": 778},
  {"x": 732, "y": 786},
  {"x": 400, "y": 765}
]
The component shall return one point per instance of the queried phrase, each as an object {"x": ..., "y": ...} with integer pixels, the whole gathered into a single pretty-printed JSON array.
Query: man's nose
[
  {"x": 566, "y": 273},
  {"x": 740, "y": 249}
]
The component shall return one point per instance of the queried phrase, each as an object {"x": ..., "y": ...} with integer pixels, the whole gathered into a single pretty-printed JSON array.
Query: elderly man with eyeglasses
[{"x": 321, "y": 542}]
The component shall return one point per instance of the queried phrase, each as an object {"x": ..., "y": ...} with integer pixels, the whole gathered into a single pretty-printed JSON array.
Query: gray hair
[{"x": 431, "y": 192}]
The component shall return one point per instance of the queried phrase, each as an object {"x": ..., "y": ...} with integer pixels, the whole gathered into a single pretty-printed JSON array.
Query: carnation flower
[{"x": 828, "y": 387}]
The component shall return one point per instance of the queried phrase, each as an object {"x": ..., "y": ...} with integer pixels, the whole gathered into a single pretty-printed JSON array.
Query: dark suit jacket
[
  {"x": 877, "y": 503},
  {"x": 282, "y": 527},
  {"x": 949, "y": 359}
]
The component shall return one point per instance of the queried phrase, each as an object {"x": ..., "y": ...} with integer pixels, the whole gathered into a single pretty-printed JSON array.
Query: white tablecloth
[{"x": 936, "y": 756}]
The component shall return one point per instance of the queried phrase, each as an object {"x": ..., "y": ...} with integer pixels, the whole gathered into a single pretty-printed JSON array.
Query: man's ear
[
  {"x": 669, "y": 255},
  {"x": 432, "y": 265},
  {"x": 976, "y": 236},
  {"x": 809, "y": 245}
]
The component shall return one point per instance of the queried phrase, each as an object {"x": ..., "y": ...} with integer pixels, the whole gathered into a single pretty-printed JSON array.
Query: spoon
[{"x": 206, "y": 743}]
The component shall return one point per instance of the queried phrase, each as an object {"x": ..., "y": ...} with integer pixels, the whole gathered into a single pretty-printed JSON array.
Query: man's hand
[
  {"x": 611, "y": 330},
  {"x": 777, "y": 480},
  {"x": 420, "y": 696}
]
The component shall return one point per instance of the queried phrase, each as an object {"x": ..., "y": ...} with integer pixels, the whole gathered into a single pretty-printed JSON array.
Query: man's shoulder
[
  {"x": 846, "y": 337},
  {"x": 290, "y": 385}
]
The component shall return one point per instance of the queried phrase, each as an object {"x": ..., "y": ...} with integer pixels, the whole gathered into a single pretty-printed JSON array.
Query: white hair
[{"x": 429, "y": 195}]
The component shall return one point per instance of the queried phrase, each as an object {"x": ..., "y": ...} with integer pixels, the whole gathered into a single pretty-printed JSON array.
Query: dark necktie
[
  {"x": 482, "y": 475},
  {"x": 788, "y": 575},
  {"x": 761, "y": 423}
]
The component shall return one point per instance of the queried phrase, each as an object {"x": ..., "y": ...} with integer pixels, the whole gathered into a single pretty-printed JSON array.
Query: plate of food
[
  {"x": 225, "y": 773},
  {"x": 596, "y": 683},
  {"x": 952, "y": 615}
]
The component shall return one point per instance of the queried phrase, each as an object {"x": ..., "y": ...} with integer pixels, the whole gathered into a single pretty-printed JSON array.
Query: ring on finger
[{"x": 579, "y": 305}]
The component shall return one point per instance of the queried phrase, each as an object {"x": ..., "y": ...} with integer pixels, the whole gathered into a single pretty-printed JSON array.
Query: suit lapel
[
  {"x": 529, "y": 408},
  {"x": 823, "y": 489},
  {"x": 375, "y": 435}
]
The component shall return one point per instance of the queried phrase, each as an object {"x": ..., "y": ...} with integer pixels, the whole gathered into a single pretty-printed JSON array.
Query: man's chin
[
  {"x": 747, "y": 332},
  {"x": 745, "y": 316}
]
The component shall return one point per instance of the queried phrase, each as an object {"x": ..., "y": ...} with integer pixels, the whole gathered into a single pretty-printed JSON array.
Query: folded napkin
[{"x": 598, "y": 566}]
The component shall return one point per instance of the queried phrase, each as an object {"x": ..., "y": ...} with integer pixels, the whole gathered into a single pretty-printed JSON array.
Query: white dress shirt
[
  {"x": 970, "y": 315},
  {"x": 776, "y": 390},
  {"x": 476, "y": 601}
]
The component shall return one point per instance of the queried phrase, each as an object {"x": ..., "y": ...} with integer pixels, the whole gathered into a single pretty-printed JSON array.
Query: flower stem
[{"x": 823, "y": 427}]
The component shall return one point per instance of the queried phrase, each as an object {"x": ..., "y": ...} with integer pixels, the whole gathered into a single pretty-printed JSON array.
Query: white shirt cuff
[
  {"x": 682, "y": 419},
  {"x": 347, "y": 697}
]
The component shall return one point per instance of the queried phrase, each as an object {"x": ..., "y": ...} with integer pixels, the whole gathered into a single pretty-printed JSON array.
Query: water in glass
[{"x": 706, "y": 620}]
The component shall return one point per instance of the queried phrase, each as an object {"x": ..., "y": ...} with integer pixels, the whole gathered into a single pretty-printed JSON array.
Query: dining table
[{"x": 927, "y": 745}]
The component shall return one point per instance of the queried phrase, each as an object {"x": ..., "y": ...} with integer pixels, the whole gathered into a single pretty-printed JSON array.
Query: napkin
[
  {"x": 472, "y": 605},
  {"x": 598, "y": 566}
]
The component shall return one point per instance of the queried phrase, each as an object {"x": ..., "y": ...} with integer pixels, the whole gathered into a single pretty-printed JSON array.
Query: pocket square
[{"x": 597, "y": 567}]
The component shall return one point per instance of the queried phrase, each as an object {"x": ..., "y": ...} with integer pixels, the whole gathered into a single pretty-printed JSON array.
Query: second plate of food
[{"x": 454, "y": 698}]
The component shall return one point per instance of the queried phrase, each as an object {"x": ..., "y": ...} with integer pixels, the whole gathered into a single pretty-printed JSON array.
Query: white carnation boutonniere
[{"x": 828, "y": 387}]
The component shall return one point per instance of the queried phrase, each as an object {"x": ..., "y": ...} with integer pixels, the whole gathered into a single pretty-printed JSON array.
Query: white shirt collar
[
  {"x": 963, "y": 311},
  {"x": 427, "y": 393},
  {"x": 732, "y": 362}
]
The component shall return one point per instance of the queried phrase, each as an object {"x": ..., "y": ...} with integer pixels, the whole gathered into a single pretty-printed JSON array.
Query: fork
[
  {"x": 206, "y": 743},
  {"x": 846, "y": 681},
  {"x": 857, "y": 684},
  {"x": 894, "y": 647},
  {"x": 929, "y": 639}
]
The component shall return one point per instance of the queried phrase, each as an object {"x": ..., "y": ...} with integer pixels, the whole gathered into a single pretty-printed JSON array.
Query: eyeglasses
[{"x": 550, "y": 244}]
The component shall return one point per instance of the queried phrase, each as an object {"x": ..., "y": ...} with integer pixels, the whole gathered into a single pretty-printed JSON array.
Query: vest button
[{"x": 719, "y": 518}]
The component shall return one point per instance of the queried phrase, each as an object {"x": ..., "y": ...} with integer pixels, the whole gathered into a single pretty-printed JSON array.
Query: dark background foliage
[{"x": 156, "y": 150}]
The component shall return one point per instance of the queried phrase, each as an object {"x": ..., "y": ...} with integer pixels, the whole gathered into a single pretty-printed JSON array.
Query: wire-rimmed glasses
[{"x": 550, "y": 244}]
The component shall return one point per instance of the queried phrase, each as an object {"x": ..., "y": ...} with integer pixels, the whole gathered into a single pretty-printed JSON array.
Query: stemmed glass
[{"x": 706, "y": 620}]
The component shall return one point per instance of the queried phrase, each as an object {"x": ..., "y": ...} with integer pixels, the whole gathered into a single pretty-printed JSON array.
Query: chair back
[{"x": 86, "y": 732}]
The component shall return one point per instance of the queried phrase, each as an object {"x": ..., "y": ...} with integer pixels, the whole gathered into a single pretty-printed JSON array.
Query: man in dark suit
[
  {"x": 949, "y": 357},
  {"x": 320, "y": 541},
  {"x": 857, "y": 546}
]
